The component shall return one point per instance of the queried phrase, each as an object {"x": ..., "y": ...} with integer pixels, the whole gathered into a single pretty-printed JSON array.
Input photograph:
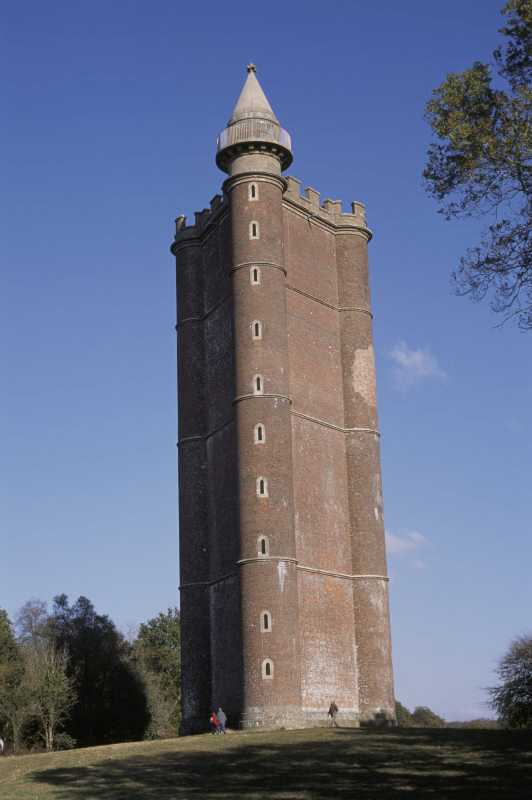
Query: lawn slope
[{"x": 284, "y": 765}]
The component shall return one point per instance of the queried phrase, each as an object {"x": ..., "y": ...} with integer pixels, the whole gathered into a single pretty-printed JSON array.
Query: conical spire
[
  {"x": 253, "y": 128},
  {"x": 252, "y": 103}
]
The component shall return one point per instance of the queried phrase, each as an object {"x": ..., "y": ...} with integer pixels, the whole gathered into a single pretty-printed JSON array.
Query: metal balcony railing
[{"x": 253, "y": 130}]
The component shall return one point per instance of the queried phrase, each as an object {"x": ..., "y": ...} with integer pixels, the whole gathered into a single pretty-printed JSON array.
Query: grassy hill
[{"x": 284, "y": 765}]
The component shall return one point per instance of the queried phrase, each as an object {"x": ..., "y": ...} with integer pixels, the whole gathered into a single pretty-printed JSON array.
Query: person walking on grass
[
  {"x": 333, "y": 713},
  {"x": 214, "y": 723},
  {"x": 222, "y": 719}
]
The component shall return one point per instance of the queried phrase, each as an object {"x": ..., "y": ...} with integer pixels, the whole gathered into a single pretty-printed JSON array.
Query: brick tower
[{"x": 284, "y": 598}]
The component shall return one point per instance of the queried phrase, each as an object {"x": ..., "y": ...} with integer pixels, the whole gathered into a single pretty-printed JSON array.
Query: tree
[
  {"x": 52, "y": 691},
  {"x": 423, "y": 717},
  {"x": 481, "y": 166},
  {"x": 512, "y": 698},
  {"x": 404, "y": 717},
  {"x": 32, "y": 622},
  {"x": 111, "y": 701},
  {"x": 15, "y": 695},
  {"x": 156, "y": 653}
]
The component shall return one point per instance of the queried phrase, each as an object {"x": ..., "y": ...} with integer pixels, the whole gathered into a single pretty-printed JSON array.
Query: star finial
[{"x": 251, "y": 68}]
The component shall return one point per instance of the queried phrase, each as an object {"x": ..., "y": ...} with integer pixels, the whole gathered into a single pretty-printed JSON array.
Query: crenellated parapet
[
  {"x": 329, "y": 212},
  {"x": 203, "y": 222}
]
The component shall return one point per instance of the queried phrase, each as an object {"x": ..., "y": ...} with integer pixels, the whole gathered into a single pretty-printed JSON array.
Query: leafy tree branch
[{"x": 480, "y": 165}]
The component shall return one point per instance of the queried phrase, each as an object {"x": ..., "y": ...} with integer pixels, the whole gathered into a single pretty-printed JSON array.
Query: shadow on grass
[{"x": 467, "y": 765}]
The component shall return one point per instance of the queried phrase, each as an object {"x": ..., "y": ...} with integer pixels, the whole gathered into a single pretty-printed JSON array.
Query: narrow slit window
[
  {"x": 265, "y": 621},
  {"x": 262, "y": 487},
  {"x": 263, "y": 546},
  {"x": 254, "y": 230},
  {"x": 258, "y": 384},
  {"x": 259, "y": 433},
  {"x": 267, "y": 668},
  {"x": 253, "y": 192},
  {"x": 255, "y": 276},
  {"x": 256, "y": 327}
]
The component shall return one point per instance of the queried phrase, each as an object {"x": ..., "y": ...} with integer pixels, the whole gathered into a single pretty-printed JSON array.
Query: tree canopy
[
  {"x": 480, "y": 165},
  {"x": 70, "y": 677},
  {"x": 52, "y": 693},
  {"x": 111, "y": 703},
  {"x": 512, "y": 698},
  {"x": 156, "y": 654},
  {"x": 420, "y": 717},
  {"x": 15, "y": 696}
]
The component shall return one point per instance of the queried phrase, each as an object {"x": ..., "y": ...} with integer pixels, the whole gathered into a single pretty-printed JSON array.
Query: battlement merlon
[
  {"x": 202, "y": 221},
  {"x": 330, "y": 212}
]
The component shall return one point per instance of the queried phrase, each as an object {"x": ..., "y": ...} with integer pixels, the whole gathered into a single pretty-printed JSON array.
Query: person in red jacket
[{"x": 214, "y": 723}]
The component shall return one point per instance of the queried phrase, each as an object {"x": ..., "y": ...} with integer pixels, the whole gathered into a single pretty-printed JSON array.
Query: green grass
[{"x": 284, "y": 765}]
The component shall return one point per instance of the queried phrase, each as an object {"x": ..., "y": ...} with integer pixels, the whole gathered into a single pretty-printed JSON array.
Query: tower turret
[{"x": 253, "y": 128}]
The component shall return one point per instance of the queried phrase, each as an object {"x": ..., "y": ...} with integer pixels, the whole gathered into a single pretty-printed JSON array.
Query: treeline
[
  {"x": 69, "y": 678},
  {"x": 420, "y": 717},
  {"x": 511, "y": 698},
  {"x": 424, "y": 717}
]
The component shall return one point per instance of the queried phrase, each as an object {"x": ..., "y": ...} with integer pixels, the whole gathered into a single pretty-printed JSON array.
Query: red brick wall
[
  {"x": 329, "y": 637},
  {"x": 271, "y": 582}
]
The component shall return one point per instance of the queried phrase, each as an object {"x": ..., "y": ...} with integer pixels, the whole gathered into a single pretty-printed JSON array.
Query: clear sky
[{"x": 111, "y": 111}]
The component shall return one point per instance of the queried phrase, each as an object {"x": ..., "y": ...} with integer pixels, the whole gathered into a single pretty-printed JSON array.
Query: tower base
[
  {"x": 277, "y": 718},
  {"x": 292, "y": 718}
]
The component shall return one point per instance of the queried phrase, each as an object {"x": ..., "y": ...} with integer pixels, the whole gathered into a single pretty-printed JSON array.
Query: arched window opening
[
  {"x": 263, "y": 546},
  {"x": 253, "y": 191},
  {"x": 255, "y": 276},
  {"x": 267, "y": 668},
  {"x": 254, "y": 230},
  {"x": 259, "y": 434},
  {"x": 258, "y": 384},
  {"x": 262, "y": 487},
  {"x": 256, "y": 327},
  {"x": 265, "y": 621}
]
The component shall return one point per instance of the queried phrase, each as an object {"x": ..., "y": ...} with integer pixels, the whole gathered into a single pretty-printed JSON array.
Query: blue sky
[{"x": 112, "y": 113}]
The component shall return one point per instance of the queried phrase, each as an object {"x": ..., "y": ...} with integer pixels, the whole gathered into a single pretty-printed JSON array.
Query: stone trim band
[
  {"x": 288, "y": 286},
  {"x": 204, "y": 435},
  {"x": 328, "y": 572},
  {"x": 295, "y": 413},
  {"x": 246, "y": 396},
  {"x": 266, "y": 558},
  {"x": 208, "y": 583},
  {"x": 207, "y": 313},
  {"x": 256, "y": 264},
  {"x": 334, "y": 427},
  {"x": 328, "y": 305},
  {"x": 264, "y": 177},
  {"x": 343, "y": 575}
]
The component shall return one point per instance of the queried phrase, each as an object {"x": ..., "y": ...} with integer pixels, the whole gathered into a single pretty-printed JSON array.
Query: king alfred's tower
[{"x": 284, "y": 600}]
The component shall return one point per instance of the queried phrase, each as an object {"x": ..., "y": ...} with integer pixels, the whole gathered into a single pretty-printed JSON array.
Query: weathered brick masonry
[{"x": 283, "y": 570}]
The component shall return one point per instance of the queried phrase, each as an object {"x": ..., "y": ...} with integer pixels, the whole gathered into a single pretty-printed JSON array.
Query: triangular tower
[{"x": 283, "y": 571}]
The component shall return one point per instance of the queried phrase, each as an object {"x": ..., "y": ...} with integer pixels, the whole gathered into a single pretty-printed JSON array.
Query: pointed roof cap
[
  {"x": 253, "y": 126},
  {"x": 252, "y": 103}
]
